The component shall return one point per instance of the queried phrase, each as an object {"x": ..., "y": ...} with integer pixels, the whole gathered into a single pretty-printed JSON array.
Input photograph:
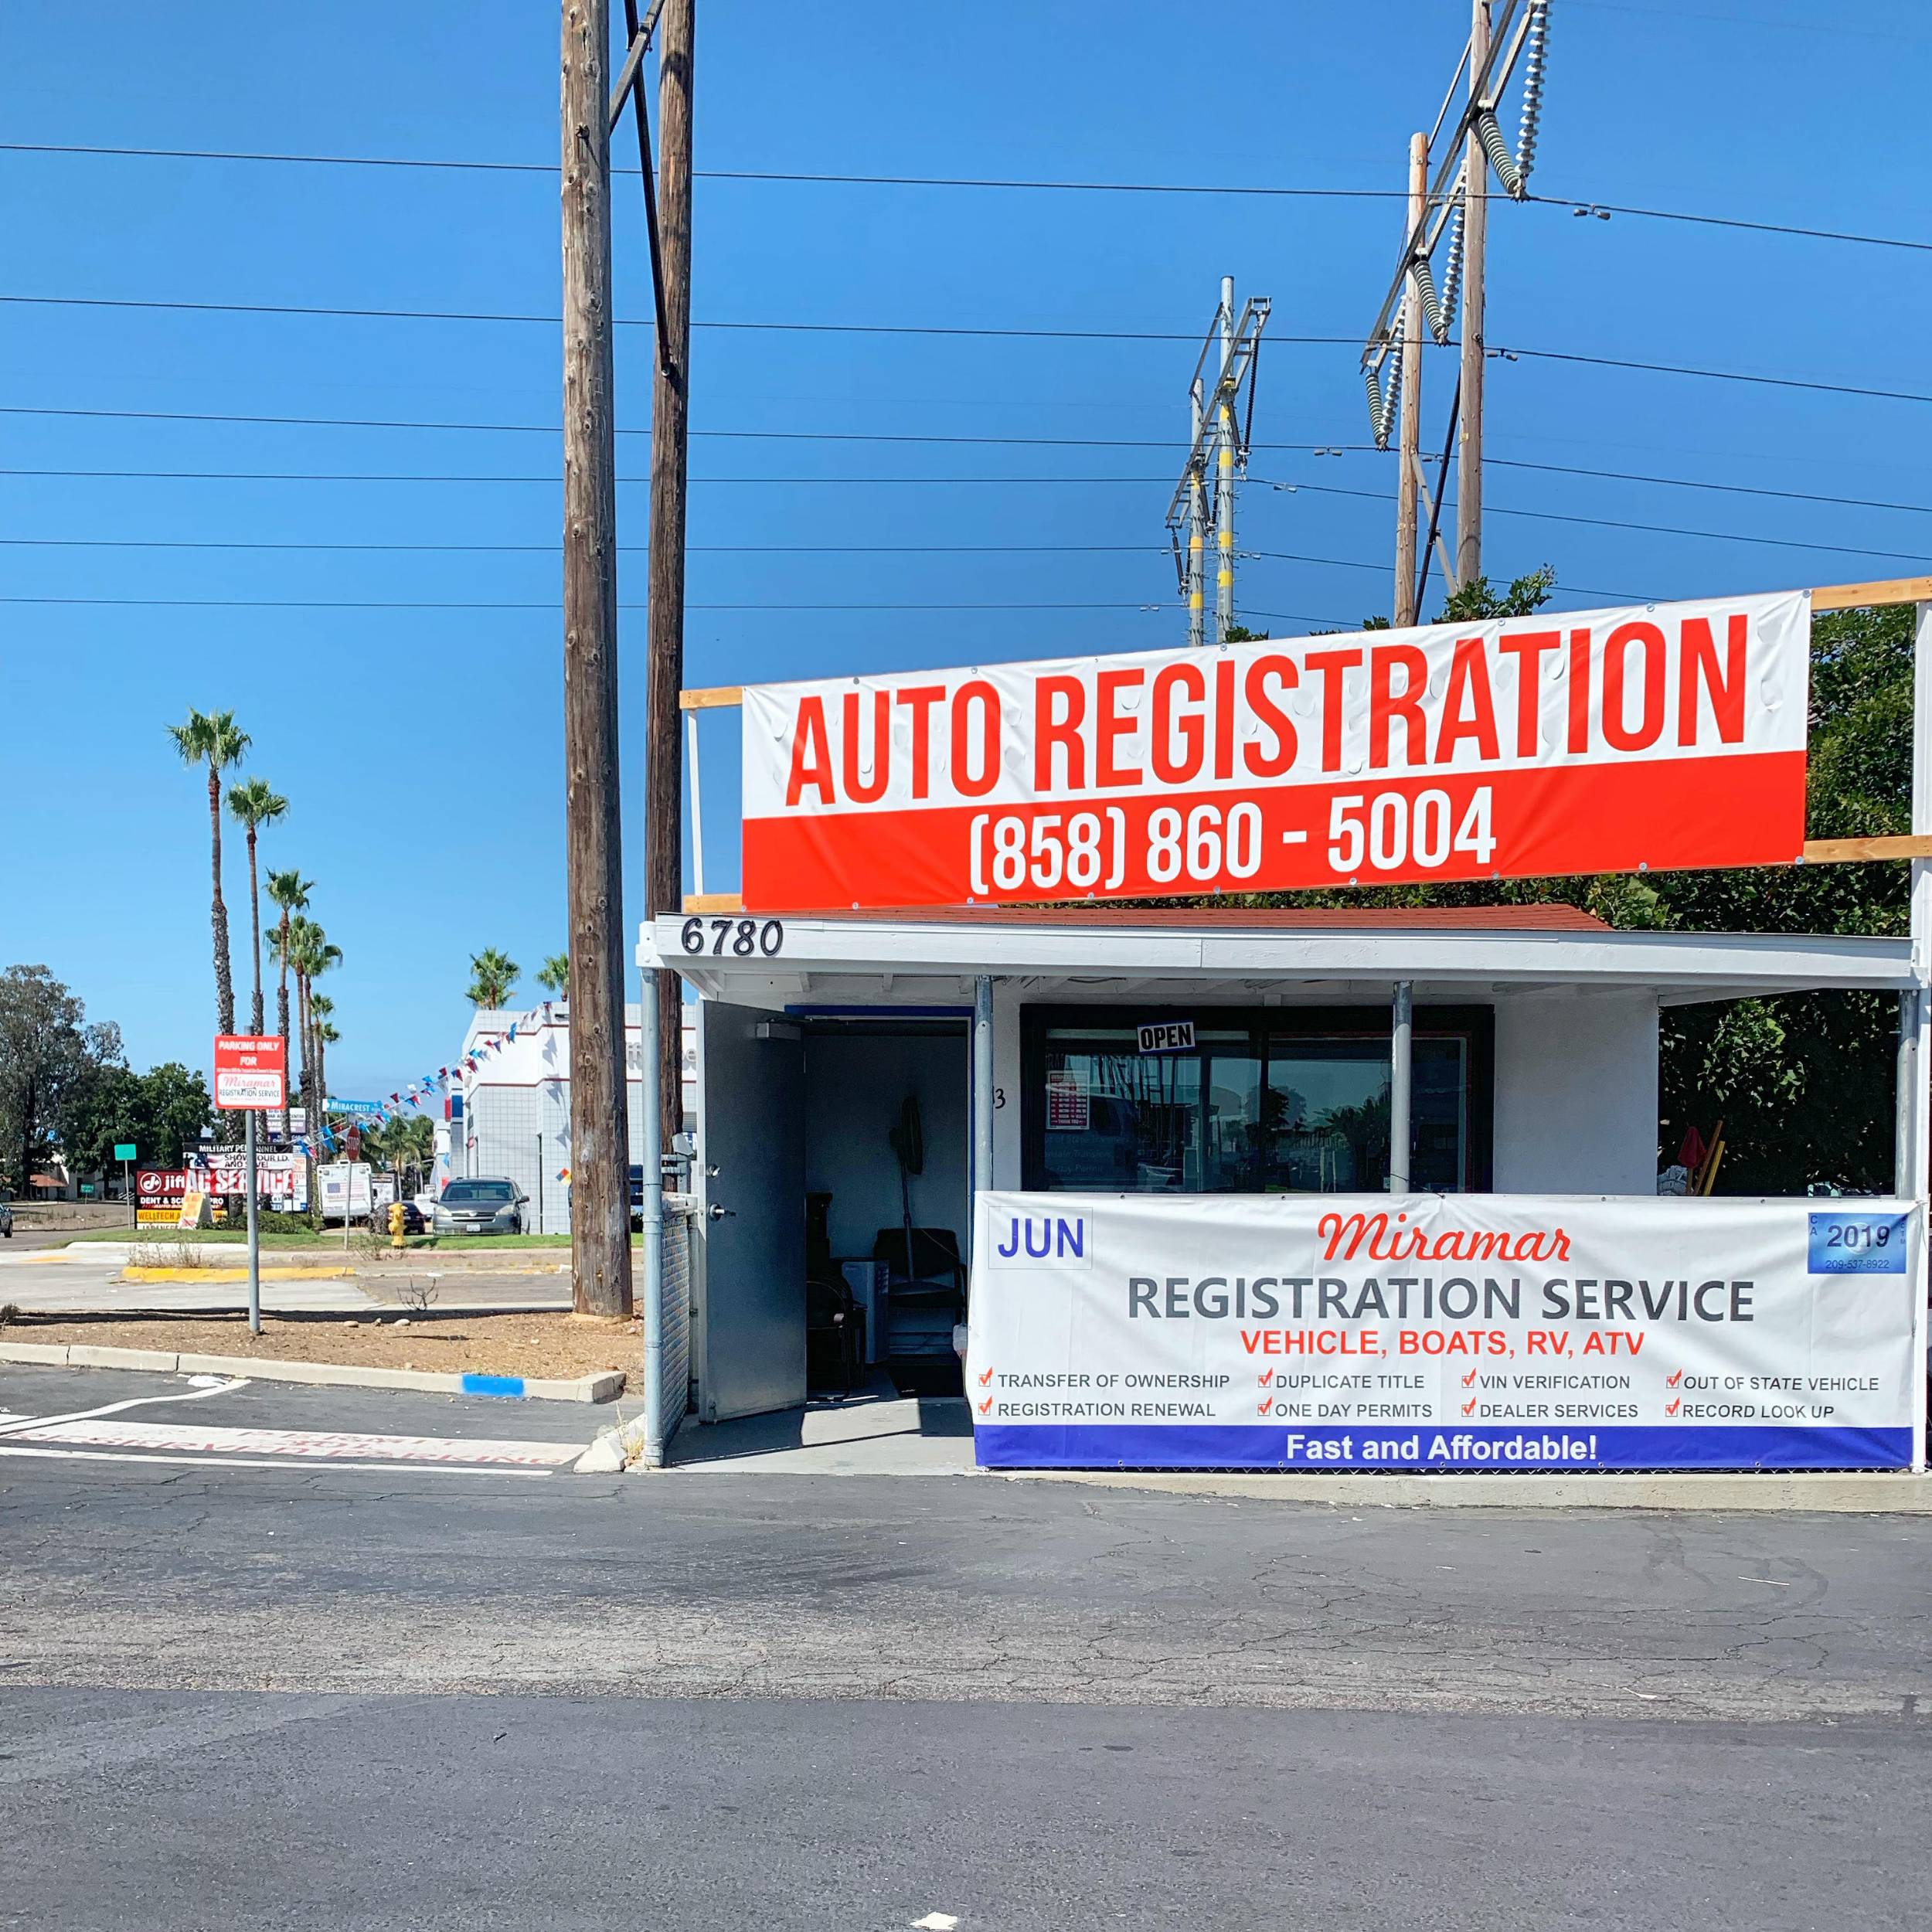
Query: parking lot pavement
[{"x": 112, "y": 1417}]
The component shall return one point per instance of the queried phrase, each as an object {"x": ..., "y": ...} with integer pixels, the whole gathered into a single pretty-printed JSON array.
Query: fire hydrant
[{"x": 396, "y": 1224}]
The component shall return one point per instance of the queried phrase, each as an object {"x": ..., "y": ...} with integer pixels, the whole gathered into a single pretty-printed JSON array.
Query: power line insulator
[
  {"x": 1535, "y": 41},
  {"x": 1497, "y": 150}
]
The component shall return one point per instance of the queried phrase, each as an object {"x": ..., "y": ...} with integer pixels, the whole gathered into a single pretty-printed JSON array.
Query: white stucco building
[{"x": 510, "y": 1116}]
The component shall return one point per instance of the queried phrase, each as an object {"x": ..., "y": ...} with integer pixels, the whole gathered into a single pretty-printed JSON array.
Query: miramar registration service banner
[
  {"x": 1653, "y": 736},
  {"x": 1478, "y": 1331}
]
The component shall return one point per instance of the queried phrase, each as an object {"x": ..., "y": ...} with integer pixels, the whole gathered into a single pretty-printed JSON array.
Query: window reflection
[{"x": 1269, "y": 1110}]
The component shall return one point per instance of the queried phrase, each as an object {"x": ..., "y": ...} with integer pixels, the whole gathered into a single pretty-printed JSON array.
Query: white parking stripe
[
  {"x": 8, "y": 1427},
  {"x": 309, "y": 1444},
  {"x": 284, "y": 1463}
]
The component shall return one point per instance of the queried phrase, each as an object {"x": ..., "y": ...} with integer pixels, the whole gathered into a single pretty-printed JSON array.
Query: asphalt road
[{"x": 302, "y": 1696}]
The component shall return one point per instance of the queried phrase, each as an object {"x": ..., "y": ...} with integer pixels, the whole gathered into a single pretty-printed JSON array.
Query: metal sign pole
[{"x": 254, "y": 1236}]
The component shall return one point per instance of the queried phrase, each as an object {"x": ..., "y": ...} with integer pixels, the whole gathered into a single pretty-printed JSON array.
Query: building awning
[{"x": 1309, "y": 953}]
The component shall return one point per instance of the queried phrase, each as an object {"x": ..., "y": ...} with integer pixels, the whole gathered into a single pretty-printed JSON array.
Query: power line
[
  {"x": 439, "y": 163},
  {"x": 338, "y": 604},
  {"x": 353, "y": 476},
  {"x": 1000, "y": 442},
  {"x": 339, "y": 312},
  {"x": 1619, "y": 523},
  {"x": 626, "y": 549},
  {"x": 553, "y": 429},
  {"x": 1730, "y": 221},
  {"x": 1694, "y": 483},
  {"x": 434, "y": 164},
  {"x": 334, "y": 312},
  {"x": 1718, "y": 375}
]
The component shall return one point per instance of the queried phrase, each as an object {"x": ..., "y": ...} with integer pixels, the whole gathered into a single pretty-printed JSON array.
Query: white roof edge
[{"x": 1746, "y": 962}]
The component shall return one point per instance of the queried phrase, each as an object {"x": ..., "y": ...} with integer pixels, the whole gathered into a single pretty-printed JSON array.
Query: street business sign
[
  {"x": 1441, "y": 1332},
  {"x": 250, "y": 1071},
  {"x": 1645, "y": 737},
  {"x": 125, "y": 1151},
  {"x": 281, "y": 1180}
]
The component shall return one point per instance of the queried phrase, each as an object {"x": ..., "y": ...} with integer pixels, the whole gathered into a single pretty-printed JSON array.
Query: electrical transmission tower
[
  {"x": 1448, "y": 215},
  {"x": 1221, "y": 432}
]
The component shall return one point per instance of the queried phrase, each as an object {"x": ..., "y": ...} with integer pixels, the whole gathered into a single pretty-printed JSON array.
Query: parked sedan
[{"x": 485, "y": 1207}]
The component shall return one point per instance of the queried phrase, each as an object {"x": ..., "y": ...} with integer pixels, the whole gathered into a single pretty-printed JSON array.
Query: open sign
[{"x": 1167, "y": 1037}]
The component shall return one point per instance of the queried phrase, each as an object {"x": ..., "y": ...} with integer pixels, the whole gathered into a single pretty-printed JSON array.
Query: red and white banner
[{"x": 1653, "y": 737}]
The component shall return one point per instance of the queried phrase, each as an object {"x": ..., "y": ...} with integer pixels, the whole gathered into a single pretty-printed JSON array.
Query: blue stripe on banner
[
  {"x": 1055, "y": 1445},
  {"x": 475, "y": 1385}
]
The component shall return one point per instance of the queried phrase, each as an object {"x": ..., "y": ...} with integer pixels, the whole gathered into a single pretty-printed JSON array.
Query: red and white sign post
[{"x": 251, "y": 1073}]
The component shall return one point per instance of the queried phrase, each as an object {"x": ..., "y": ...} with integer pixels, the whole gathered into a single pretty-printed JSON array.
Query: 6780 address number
[{"x": 737, "y": 938}]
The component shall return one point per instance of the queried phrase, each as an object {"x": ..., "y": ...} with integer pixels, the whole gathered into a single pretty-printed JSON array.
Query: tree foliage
[
  {"x": 1803, "y": 1083},
  {"x": 48, "y": 1052},
  {"x": 162, "y": 1111},
  {"x": 493, "y": 978}
]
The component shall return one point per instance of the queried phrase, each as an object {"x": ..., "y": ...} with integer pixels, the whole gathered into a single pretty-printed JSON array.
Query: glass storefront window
[{"x": 1259, "y": 1108}]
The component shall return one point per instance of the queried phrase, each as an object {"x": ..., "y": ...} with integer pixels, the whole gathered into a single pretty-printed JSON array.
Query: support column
[
  {"x": 650, "y": 1028},
  {"x": 1401, "y": 1041},
  {"x": 982, "y": 1086},
  {"x": 1915, "y": 1042}
]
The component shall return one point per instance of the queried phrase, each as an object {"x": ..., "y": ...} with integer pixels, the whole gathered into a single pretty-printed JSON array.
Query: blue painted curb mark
[{"x": 475, "y": 1385}]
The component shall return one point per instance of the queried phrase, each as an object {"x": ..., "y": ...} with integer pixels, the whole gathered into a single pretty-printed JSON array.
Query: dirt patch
[{"x": 560, "y": 1346}]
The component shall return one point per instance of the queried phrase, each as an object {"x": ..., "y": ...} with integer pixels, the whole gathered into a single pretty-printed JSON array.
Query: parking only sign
[{"x": 251, "y": 1071}]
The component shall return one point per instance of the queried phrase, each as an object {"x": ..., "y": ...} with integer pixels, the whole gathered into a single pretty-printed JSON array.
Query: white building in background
[{"x": 511, "y": 1117}]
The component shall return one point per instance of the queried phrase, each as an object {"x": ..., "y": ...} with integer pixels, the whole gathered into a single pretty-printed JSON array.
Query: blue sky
[{"x": 420, "y": 748}]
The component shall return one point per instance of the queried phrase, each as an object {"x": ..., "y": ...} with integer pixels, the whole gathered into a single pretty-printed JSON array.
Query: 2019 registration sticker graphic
[
  {"x": 1465, "y": 1332},
  {"x": 1658, "y": 736}
]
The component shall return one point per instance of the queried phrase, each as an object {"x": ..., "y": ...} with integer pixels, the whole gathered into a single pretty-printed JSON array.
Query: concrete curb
[
  {"x": 1881, "y": 1494},
  {"x": 605, "y": 1387},
  {"x": 214, "y": 1276},
  {"x": 535, "y": 1261}
]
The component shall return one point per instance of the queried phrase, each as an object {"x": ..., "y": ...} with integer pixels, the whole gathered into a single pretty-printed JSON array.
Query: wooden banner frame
[{"x": 1916, "y": 845}]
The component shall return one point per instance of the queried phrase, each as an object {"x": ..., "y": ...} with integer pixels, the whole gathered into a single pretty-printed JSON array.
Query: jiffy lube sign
[{"x": 1480, "y": 1332}]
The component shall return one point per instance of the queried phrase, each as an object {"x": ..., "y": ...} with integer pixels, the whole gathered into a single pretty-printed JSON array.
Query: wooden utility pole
[
  {"x": 670, "y": 416},
  {"x": 1475, "y": 222},
  {"x": 599, "y": 1192},
  {"x": 1408, "y": 471}
]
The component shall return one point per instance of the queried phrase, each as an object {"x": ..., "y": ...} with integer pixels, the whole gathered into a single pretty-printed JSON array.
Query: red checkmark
[
  {"x": 1672, "y": 1406},
  {"x": 1671, "y": 1381},
  {"x": 986, "y": 1377},
  {"x": 1265, "y": 1377},
  {"x": 1262, "y": 1408},
  {"x": 1469, "y": 1377},
  {"x": 985, "y": 1407},
  {"x": 1469, "y": 1407}
]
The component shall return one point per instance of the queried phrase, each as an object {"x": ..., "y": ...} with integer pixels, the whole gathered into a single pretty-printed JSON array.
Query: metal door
[{"x": 751, "y": 1186}]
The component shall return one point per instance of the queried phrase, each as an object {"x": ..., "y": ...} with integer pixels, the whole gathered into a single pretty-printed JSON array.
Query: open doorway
[{"x": 888, "y": 1199}]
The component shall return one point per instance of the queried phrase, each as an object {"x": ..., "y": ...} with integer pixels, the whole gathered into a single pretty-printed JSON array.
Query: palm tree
[
  {"x": 554, "y": 975},
  {"x": 213, "y": 738},
  {"x": 407, "y": 1141},
  {"x": 493, "y": 978},
  {"x": 320, "y": 1007},
  {"x": 290, "y": 890},
  {"x": 310, "y": 954},
  {"x": 255, "y": 804}
]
